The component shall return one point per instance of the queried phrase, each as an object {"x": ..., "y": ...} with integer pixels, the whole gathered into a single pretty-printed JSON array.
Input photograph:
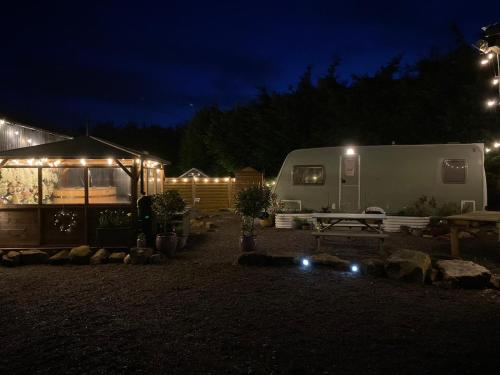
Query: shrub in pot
[
  {"x": 165, "y": 206},
  {"x": 250, "y": 203}
]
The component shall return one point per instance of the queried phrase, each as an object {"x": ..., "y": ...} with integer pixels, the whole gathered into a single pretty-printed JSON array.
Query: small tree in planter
[
  {"x": 165, "y": 206},
  {"x": 250, "y": 202}
]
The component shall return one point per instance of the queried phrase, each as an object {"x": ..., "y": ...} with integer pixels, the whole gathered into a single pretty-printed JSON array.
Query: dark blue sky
[{"x": 157, "y": 62}]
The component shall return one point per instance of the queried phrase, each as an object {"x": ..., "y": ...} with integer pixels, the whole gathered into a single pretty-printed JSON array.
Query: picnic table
[
  {"x": 348, "y": 225},
  {"x": 483, "y": 220}
]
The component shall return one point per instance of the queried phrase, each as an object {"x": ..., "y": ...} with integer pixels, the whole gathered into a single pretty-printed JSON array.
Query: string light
[
  {"x": 491, "y": 55},
  {"x": 184, "y": 180},
  {"x": 216, "y": 180},
  {"x": 83, "y": 162},
  {"x": 205, "y": 180},
  {"x": 487, "y": 149},
  {"x": 496, "y": 145},
  {"x": 495, "y": 81},
  {"x": 174, "y": 180},
  {"x": 110, "y": 161},
  {"x": 485, "y": 61},
  {"x": 491, "y": 103}
]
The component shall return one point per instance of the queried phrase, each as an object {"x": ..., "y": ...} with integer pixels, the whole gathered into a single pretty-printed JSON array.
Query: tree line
[{"x": 438, "y": 99}]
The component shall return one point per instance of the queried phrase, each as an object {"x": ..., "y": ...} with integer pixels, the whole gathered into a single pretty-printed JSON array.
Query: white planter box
[
  {"x": 394, "y": 223},
  {"x": 286, "y": 220}
]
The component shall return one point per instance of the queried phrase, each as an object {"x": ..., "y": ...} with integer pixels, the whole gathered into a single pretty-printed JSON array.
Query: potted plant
[
  {"x": 250, "y": 203},
  {"x": 113, "y": 228},
  {"x": 165, "y": 206},
  {"x": 141, "y": 240}
]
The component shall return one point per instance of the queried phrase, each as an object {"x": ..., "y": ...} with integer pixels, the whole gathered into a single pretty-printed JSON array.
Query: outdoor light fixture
[
  {"x": 495, "y": 81},
  {"x": 491, "y": 103},
  {"x": 496, "y": 145},
  {"x": 350, "y": 151},
  {"x": 83, "y": 162},
  {"x": 305, "y": 262},
  {"x": 174, "y": 180},
  {"x": 485, "y": 61},
  {"x": 110, "y": 161},
  {"x": 354, "y": 268},
  {"x": 487, "y": 149}
]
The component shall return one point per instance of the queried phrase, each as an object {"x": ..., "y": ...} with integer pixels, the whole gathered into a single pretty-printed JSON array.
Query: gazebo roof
[{"x": 87, "y": 147}]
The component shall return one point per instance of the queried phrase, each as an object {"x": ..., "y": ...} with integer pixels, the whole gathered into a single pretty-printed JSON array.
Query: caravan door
[{"x": 349, "y": 192}]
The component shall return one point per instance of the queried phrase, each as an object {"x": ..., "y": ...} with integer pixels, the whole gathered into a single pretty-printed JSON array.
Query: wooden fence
[{"x": 213, "y": 193}]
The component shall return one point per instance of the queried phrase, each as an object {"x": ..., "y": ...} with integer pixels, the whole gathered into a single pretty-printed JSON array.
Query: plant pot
[
  {"x": 247, "y": 243},
  {"x": 141, "y": 242},
  {"x": 167, "y": 244},
  {"x": 109, "y": 237},
  {"x": 181, "y": 242}
]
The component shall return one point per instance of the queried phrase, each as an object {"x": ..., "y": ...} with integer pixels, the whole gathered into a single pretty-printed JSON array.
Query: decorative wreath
[{"x": 66, "y": 221}]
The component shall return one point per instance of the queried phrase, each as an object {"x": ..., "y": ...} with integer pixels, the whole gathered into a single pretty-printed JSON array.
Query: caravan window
[
  {"x": 308, "y": 175},
  {"x": 454, "y": 171}
]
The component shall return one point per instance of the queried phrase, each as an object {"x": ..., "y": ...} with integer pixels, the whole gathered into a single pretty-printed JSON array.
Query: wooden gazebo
[{"x": 53, "y": 194}]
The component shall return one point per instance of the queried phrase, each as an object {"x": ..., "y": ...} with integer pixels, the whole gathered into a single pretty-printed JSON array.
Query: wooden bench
[{"x": 349, "y": 234}]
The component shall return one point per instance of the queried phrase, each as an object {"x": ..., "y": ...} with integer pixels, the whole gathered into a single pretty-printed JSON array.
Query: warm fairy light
[
  {"x": 137, "y": 161},
  {"x": 226, "y": 179},
  {"x": 216, "y": 180},
  {"x": 31, "y": 161},
  {"x": 349, "y": 151},
  {"x": 57, "y": 162},
  {"x": 83, "y": 162},
  {"x": 205, "y": 180},
  {"x": 495, "y": 81},
  {"x": 16, "y": 132},
  {"x": 491, "y": 103},
  {"x": 184, "y": 179},
  {"x": 233, "y": 179},
  {"x": 496, "y": 145},
  {"x": 16, "y": 162},
  {"x": 487, "y": 149},
  {"x": 110, "y": 161},
  {"x": 174, "y": 180},
  {"x": 490, "y": 55},
  {"x": 2, "y": 122},
  {"x": 30, "y": 141},
  {"x": 273, "y": 183},
  {"x": 195, "y": 179},
  {"x": 484, "y": 61}
]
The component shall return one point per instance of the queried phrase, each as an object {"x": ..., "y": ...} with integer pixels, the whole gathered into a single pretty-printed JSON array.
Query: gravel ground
[{"x": 201, "y": 313}]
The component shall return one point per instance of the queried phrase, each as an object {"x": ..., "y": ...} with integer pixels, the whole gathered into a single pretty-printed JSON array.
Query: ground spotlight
[
  {"x": 305, "y": 262},
  {"x": 354, "y": 268}
]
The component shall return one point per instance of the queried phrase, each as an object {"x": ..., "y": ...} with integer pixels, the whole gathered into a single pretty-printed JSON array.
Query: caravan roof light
[{"x": 350, "y": 151}]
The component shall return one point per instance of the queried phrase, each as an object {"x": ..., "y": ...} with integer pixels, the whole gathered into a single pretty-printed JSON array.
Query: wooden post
[
  {"x": 454, "y": 241},
  {"x": 40, "y": 197},
  {"x": 85, "y": 206}
]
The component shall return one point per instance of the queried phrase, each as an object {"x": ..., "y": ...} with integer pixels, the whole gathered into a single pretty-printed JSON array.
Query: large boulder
[
  {"x": 80, "y": 255},
  {"x": 140, "y": 255},
  {"x": 332, "y": 261},
  {"x": 34, "y": 257},
  {"x": 61, "y": 257},
  {"x": 464, "y": 273},
  {"x": 117, "y": 257},
  {"x": 100, "y": 257},
  {"x": 253, "y": 258},
  {"x": 373, "y": 267},
  {"x": 158, "y": 258},
  {"x": 408, "y": 265},
  {"x": 11, "y": 259}
]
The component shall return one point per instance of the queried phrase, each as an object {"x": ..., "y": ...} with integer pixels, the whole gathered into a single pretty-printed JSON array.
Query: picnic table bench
[
  {"x": 366, "y": 226},
  {"x": 489, "y": 220}
]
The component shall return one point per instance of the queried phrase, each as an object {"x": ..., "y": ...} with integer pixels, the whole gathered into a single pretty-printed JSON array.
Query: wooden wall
[{"x": 214, "y": 193}]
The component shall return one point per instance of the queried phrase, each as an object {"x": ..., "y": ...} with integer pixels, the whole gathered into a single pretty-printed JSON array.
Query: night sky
[{"x": 158, "y": 62}]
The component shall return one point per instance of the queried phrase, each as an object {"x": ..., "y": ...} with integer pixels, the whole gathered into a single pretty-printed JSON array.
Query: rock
[
  {"x": 80, "y": 255},
  {"x": 157, "y": 259},
  {"x": 333, "y": 261},
  {"x": 253, "y": 258},
  {"x": 373, "y": 267},
  {"x": 126, "y": 260},
  {"x": 140, "y": 255},
  {"x": 408, "y": 265},
  {"x": 282, "y": 259},
  {"x": 62, "y": 257},
  {"x": 464, "y": 273},
  {"x": 117, "y": 257},
  {"x": 494, "y": 282},
  {"x": 34, "y": 257},
  {"x": 11, "y": 259},
  {"x": 434, "y": 276},
  {"x": 100, "y": 257}
]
